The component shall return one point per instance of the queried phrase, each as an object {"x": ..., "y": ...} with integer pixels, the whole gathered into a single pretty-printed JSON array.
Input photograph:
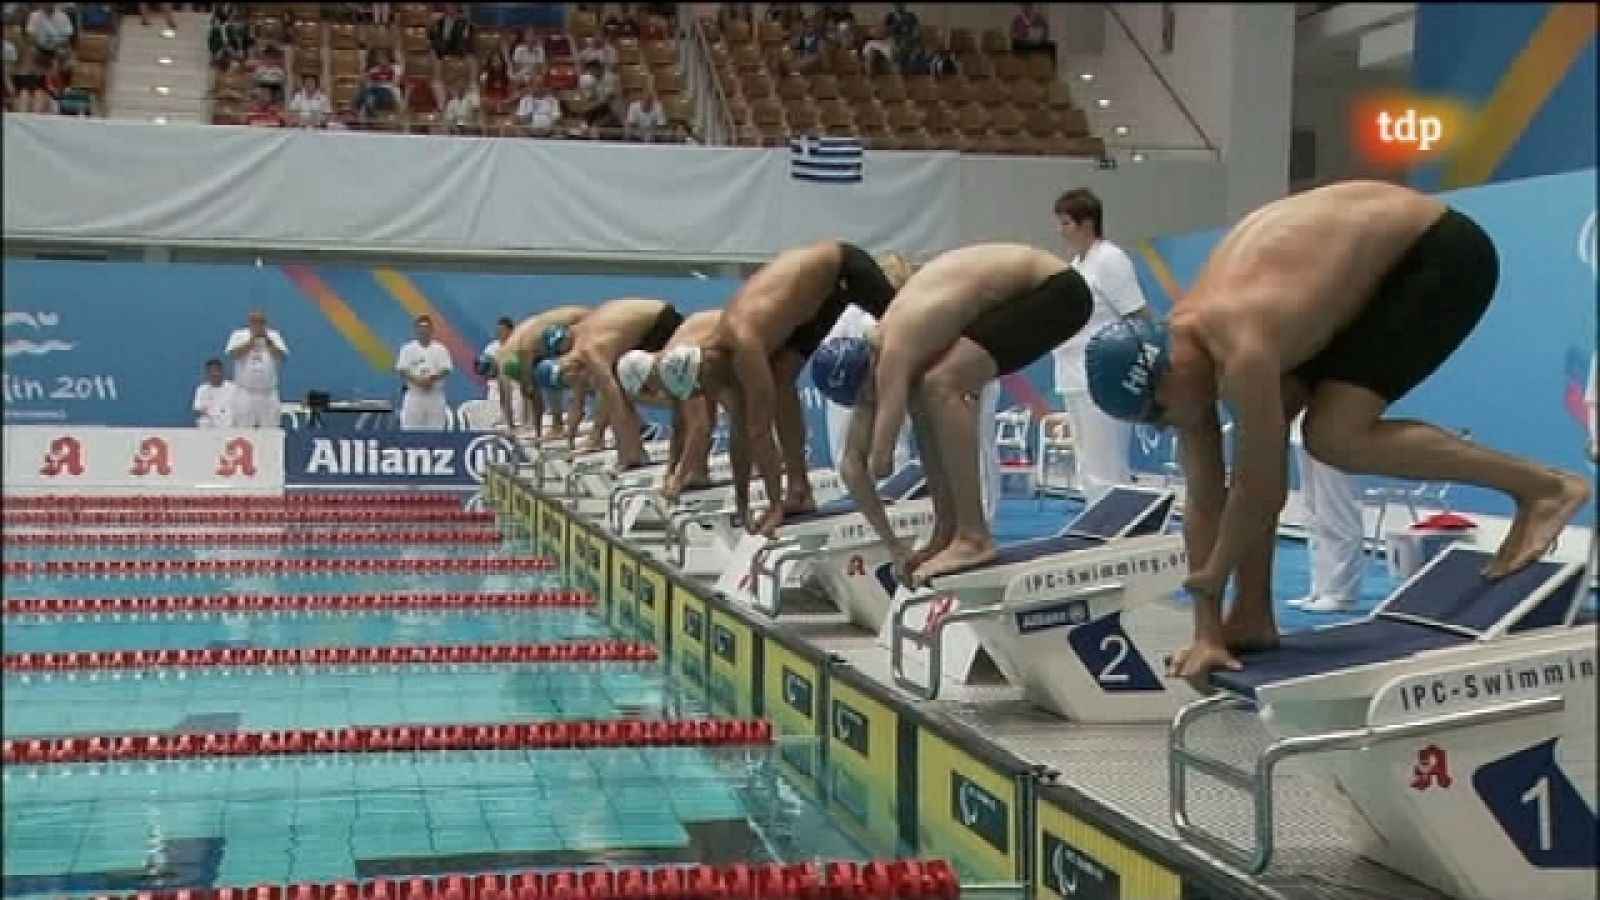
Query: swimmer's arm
[
  {"x": 613, "y": 403},
  {"x": 853, "y": 470},
  {"x": 754, "y": 376},
  {"x": 1251, "y": 387},
  {"x": 506, "y": 387},
  {"x": 675, "y": 443},
  {"x": 732, "y": 400},
  {"x": 577, "y": 395},
  {"x": 1204, "y": 487}
]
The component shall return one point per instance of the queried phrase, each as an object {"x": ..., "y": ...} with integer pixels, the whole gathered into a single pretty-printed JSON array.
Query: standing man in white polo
[
  {"x": 1101, "y": 444},
  {"x": 257, "y": 353},
  {"x": 423, "y": 364}
]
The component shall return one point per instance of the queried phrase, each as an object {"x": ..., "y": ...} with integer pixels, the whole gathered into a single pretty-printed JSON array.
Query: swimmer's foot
[
  {"x": 794, "y": 504},
  {"x": 1254, "y": 635},
  {"x": 1539, "y": 523},
  {"x": 962, "y": 553}
]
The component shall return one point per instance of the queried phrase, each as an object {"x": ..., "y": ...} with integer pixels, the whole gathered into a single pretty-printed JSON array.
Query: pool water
[{"x": 124, "y": 827}]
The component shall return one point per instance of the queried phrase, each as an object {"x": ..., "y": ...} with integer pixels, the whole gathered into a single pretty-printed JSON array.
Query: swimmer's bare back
[
  {"x": 953, "y": 289},
  {"x": 1300, "y": 269},
  {"x": 615, "y": 327},
  {"x": 781, "y": 296},
  {"x": 525, "y": 340},
  {"x": 695, "y": 330}
]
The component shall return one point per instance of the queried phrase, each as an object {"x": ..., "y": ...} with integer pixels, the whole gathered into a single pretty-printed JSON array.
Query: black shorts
[
  {"x": 661, "y": 330},
  {"x": 860, "y": 282},
  {"x": 1024, "y": 328},
  {"x": 1421, "y": 312}
]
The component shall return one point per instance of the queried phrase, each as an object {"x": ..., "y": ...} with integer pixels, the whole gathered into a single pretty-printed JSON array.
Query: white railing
[{"x": 712, "y": 109}]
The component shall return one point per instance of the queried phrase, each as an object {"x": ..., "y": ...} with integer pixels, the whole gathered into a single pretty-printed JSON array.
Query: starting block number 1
[{"x": 1539, "y": 808}]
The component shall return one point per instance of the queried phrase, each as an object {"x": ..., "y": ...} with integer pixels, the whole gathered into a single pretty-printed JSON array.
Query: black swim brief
[
  {"x": 661, "y": 330},
  {"x": 1025, "y": 327},
  {"x": 1420, "y": 313},
  {"x": 860, "y": 282}
]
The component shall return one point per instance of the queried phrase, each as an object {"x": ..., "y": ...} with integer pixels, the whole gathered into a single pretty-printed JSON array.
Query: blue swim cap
[
  {"x": 555, "y": 339},
  {"x": 840, "y": 367},
  {"x": 1124, "y": 362},
  {"x": 548, "y": 374},
  {"x": 486, "y": 366}
]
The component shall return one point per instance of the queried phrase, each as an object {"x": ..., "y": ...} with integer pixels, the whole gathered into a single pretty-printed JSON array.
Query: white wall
[{"x": 1012, "y": 200}]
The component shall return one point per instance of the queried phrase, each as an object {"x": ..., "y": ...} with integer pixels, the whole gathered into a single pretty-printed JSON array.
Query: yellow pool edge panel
[{"x": 891, "y": 774}]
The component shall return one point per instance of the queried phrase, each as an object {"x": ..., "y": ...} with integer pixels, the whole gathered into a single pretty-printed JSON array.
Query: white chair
[
  {"x": 1057, "y": 465},
  {"x": 292, "y": 416},
  {"x": 477, "y": 415}
]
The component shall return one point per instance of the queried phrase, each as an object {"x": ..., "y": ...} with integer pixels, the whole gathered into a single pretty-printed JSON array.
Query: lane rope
[
  {"x": 260, "y": 603},
  {"x": 70, "y": 661},
  {"x": 123, "y": 568}
]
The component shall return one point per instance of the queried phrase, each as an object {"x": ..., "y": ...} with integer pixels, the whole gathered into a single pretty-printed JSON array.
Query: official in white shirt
[
  {"x": 1101, "y": 444},
  {"x": 424, "y": 364},
  {"x": 257, "y": 353},
  {"x": 488, "y": 367},
  {"x": 857, "y": 322},
  {"x": 214, "y": 398},
  {"x": 1333, "y": 511}
]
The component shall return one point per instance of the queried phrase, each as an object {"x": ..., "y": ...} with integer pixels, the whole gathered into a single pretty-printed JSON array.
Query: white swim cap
[
  {"x": 633, "y": 370},
  {"x": 680, "y": 371}
]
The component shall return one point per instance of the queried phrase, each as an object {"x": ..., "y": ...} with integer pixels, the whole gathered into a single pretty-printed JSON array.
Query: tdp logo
[
  {"x": 238, "y": 458},
  {"x": 152, "y": 458},
  {"x": 65, "y": 457}
]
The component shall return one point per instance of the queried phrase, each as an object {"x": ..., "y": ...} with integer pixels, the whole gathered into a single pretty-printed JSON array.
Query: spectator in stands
[
  {"x": 527, "y": 58},
  {"x": 621, "y": 23},
  {"x": 269, "y": 74},
  {"x": 379, "y": 92},
  {"x": 1030, "y": 33},
  {"x": 461, "y": 108},
  {"x": 424, "y": 364},
  {"x": 228, "y": 38},
  {"x": 942, "y": 63},
  {"x": 257, "y": 353},
  {"x": 495, "y": 83},
  {"x": 809, "y": 44},
  {"x": 901, "y": 23},
  {"x": 214, "y": 398},
  {"x": 451, "y": 35},
  {"x": 833, "y": 14},
  {"x": 594, "y": 51},
  {"x": 31, "y": 96},
  {"x": 597, "y": 93},
  {"x": 145, "y": 9},
  {"x": 538, "y": 111},
  {"x": 382, "y": 13},
  {"x": 264, "y": 110},
  {"x": 789, "y": 15},
  {"x": 309, "y": 107},
  {"x": 645, "y": 120},
  {"x": 879, "y": 45},
  {"x": 50, "y": 29}
]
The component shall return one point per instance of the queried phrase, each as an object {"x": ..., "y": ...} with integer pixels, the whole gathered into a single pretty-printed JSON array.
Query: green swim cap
[{"x": 512, "y": 368}]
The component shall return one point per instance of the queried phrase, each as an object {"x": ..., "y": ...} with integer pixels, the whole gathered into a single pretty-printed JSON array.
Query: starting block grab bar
[
  {"x": 933, "y": 640},
  {"x": 781, "y": 560},
  {"x": 1258, "y": 782}
]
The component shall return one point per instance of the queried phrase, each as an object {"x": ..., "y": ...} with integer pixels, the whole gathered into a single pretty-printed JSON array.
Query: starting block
[
  {"x": 1105, "y": 584},
  {"x": 633, "y": 505},
  {"x": 839, "y": 549},
  {"x": 1471, "y": 707},
  {"x": 703, "y": 525}
]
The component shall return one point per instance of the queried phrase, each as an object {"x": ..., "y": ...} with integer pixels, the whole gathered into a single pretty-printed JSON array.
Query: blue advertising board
[{"x": 413, "y": 459}]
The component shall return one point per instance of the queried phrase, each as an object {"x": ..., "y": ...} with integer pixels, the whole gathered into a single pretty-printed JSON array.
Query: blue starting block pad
[
  {"x": 1122, "y": 512},
  {"x": 1449, "y": 603},
  {"x": 906, "y": 484}
]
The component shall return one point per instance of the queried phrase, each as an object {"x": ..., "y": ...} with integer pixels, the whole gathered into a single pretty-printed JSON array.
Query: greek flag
[{"x": 834, "y": 160}]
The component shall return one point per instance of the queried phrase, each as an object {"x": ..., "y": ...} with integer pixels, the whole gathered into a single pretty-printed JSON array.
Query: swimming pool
[{"x": 83, "y": 828}]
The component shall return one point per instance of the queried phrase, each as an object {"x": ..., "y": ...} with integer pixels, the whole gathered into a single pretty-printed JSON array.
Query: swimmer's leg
[
  {"x": 950, "y": 389},
  {"x": 898, "y": 364},
  {"x": 938, "y": 476},
  {"x": 789, "y": 418},
  {"x": 1344, "y": 429}
]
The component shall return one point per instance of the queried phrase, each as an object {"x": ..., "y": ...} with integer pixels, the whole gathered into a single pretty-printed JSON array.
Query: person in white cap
[
  {"x": 424, "y": 364},
  {"x": 689, "y": 456}
]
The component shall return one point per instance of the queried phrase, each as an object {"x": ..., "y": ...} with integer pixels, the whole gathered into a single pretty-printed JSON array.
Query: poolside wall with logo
[
  {"x": 896, "y": 777},
  {"x": 1519, "y": 383},
  {"x": 122, "y": 344}
]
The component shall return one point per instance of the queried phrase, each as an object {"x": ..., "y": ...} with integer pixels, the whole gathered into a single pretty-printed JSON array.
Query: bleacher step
[{"x": 158, "y": 73}]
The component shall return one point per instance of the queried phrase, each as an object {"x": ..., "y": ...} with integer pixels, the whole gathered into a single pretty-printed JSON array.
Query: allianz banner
[{"x": 394, "y": 458}]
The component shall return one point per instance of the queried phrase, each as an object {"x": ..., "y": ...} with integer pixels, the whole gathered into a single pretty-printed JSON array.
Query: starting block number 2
[
  {"x": 1539, "y": 808},
  {"x": 1111, "y": 657}
]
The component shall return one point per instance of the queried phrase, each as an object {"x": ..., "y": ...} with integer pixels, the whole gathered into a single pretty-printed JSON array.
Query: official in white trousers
[
  {"x": 257, "y": 352},
  {"x": 1333, "y": 507},
  {"x": 1101, "y": 444},
  {"x": 424, "y": 364}
]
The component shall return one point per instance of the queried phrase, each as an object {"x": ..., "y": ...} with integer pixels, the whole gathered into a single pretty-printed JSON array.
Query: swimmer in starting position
[
  {"x": 642, "y": 375},
  {"x": 762, "y": 342},
  {"x": 587, "y": 357},
  {"x": 963, "y": 320},
  {"x": 1340, "y": 301},
  {"x": 519, "y": 352}
]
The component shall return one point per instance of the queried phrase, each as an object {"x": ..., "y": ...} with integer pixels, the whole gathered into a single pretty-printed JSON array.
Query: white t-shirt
[
  {"x": 52, "y": 31},
  {"x": 539, "y": 112},
  {"x": 213, "y": 405},
  {"x": 525, "y": 57},
  {"x": 641, "y": 120},
  {"x": 418, "y": 361},
  {"x": 257, "y": 371},
  {"x": 311, "y": 107},
  {"x": 1109, "y": 273}
]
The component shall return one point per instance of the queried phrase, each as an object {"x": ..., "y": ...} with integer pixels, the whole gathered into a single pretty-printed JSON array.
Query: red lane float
[
  {"x": 125, "y": 518},
  {"x": 577, "y": 734},
  {"x": 231, "y": 603},
  {"x": 324, "y": 538},
  {"x": 288, "y": 657},
  {"x": 238, "y": 501},
  {"x": 911, "y": 879},
  {"x": 121, "y": 568}
]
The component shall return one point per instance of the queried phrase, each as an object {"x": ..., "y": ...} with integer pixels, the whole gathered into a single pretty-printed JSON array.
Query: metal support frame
[
  {"x": 619, "y": 495},
  {"x": 1257, "y": 782},
  {"x": 934, "y": 641},
  {"x": 678, "y": 528},
  {"x": 781, "y": 561}
]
